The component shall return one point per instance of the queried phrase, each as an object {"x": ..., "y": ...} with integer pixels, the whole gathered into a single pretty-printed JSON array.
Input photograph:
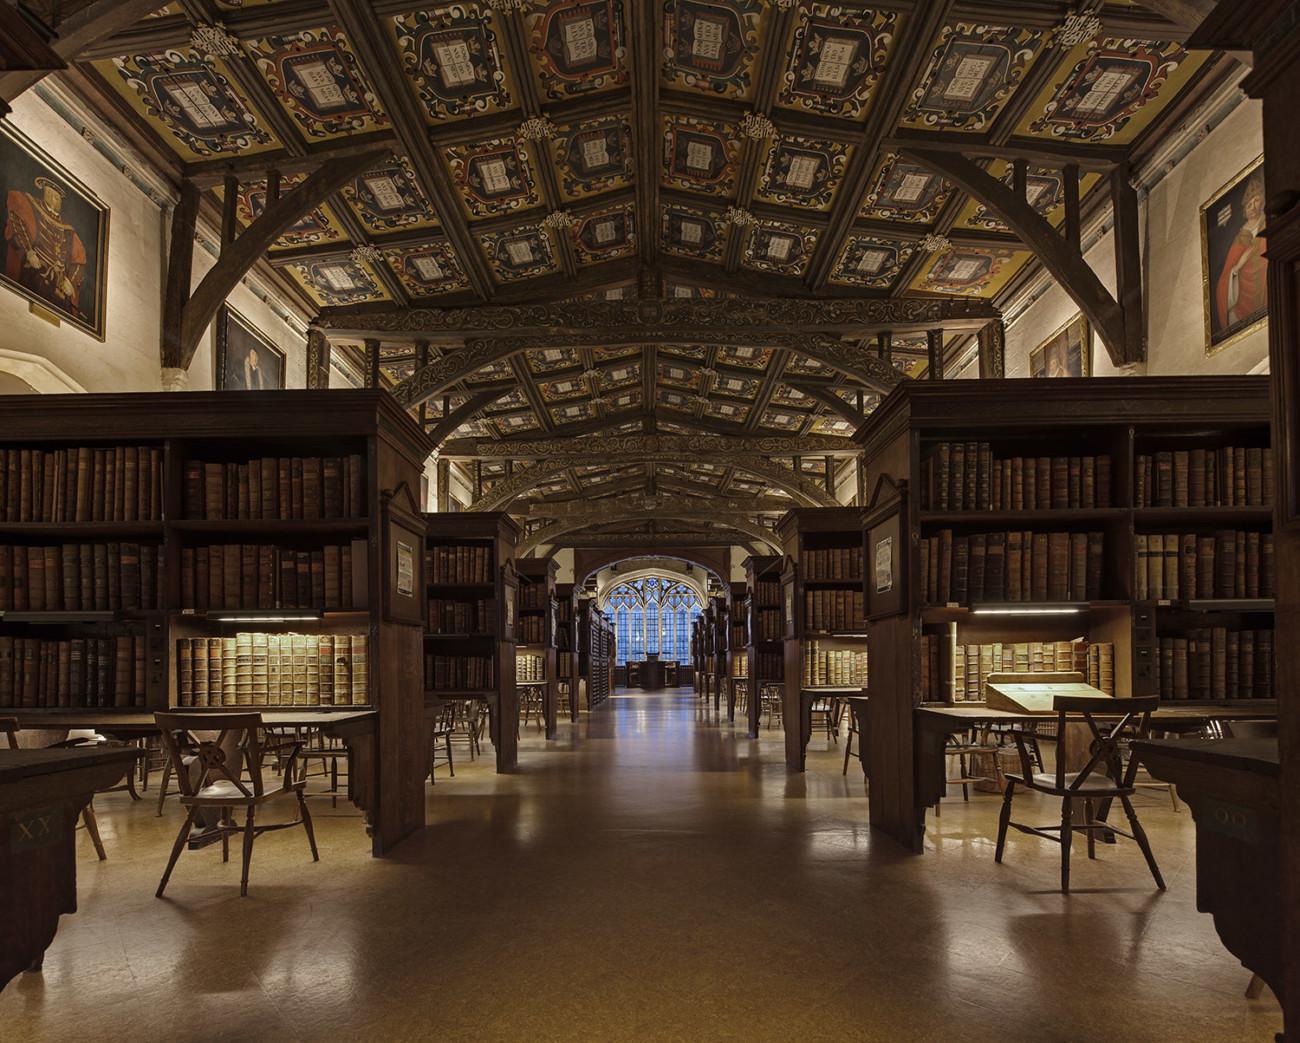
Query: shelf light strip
[
  {"x": 307, "y": 618},
  {"x": 1037, "y": 610}
]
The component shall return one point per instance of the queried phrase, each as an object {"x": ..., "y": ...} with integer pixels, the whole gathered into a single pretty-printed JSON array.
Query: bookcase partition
[
  {"x": 566, "y": 648},
  {"x": 212, "y": 551},
  {"x": 538, "y": 628},
  {"x": 825, "y": 646},
  {"x": 596, "y": 652},
  {"x": 1121, "y": 528},
  {"x": 736, "y": 675},
  {"x": 765, "y": 630},
  {"x": 469, "y": 566}
]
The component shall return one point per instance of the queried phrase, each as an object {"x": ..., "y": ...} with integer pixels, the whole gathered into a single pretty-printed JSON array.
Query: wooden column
[
  {"x": 180, "y": 270},
  {"x": 444, "y": 485},
  {"x": 372, "y": 363},
  {"x": 1070, "y": 181},
  {"x": 1020, "y": 177},
  {"x": 1128, "y": 262},
  {"x": 229, "y": 210},
  {"x": 993, "y": 350},
  {"x": 272, "y": 187},
  {"x": 934, "y": 346},
  {"x": 422, "y": 360},
  {"x": 318, "y": 358}
]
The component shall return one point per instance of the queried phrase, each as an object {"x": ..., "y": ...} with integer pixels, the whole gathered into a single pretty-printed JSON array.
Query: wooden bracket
[{"x": 1118, "y": 325}]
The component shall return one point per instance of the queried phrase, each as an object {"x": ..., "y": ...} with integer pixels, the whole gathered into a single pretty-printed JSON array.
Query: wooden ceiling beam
[
  {"x": 829, "y": 399},
  {"x": 531, "y": 392},
  {"x": 375, "y": 52},
  {"x": 908, "y": 58},
  {"x": 1101, "y": 158},
  {"x": 643, "y": 31},
  {"x": 467, "y": 410},
  {"x": 736, "y": 522},
  {"x": 622, "y": 450},
  {"x": 1063, "y": 260},
  {"x": 210, "y": 172}
]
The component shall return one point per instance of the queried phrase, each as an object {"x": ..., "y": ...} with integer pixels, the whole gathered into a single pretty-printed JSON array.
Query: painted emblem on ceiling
[
  {"x": 739, "y": 387},
  {"x": 338, "y": 280},
  {"x": 700, "y": 155},
  {"x": 593, "y": 156},
  {"x": 605, "y": 234},
  {"x": 519, "y": 254},
  {"x": 869, "y": 261},
  {"x": 687, "y": 351},
  {"x": 679, "y": 376},
  {"x": 971, "y": 271},
  {"x": 1044, "y": 189},
  {"x": 831, "y": 425},
  {"x": 453, "y": 56},
  {"x": 388, "y": 198},
  {"x": 778, "y": 247},
  {"x": 622, "y": 351},
  {"x": 572, "y": 413},
  {"x": 693, "y": 232},
  {"x": 806, "y": 364},
  {"x": 626, "y": 400},
  {"x": 711, "y": 46},
  {"x": 972, "y": 73},
  {"x": 317, "y": 79},
  {"x": 577, "y": 47},
  {"x": 495, "y": 177},
  {"x": 733, "y": 412},
  {"x": 1107, "y": 87},
  {"x": 803, "y": 172},
  {"x": 619, "y": 376},
  {"x": 516, "y": 422},
  {"x": 194, "y": 100},
  {"x": 493, "y": 372},
  {"x": 548, "y": 360},
  {"x": 311, "y": 229},
  {"x": 565, "y": 388},
  {"x": 427, "y": 269},
  {"x": 789, "y": 396},
  {"x": 906, "y": 191},
  {"x": 837, "y": 55},
  {"x": 745, "y": 356},
  {"x": 782, "y": 420}
]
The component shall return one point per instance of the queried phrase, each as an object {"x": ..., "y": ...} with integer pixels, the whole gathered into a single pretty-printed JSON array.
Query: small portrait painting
[
  {"x": 246, "y": 360},
  {"x": 1066, "y": 353},
  {"x": 1232, "y": 254},
  {"x": 56, "y": 235}
]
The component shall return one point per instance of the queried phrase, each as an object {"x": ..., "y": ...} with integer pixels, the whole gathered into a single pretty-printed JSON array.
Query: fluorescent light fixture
[
  {"x": 1066, "y": 609},
  {"x": 280, "y": 617}
]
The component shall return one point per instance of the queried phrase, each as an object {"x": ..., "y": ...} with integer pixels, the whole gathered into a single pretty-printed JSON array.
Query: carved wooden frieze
[
  {"x": 739, "y": 523},
  {"x": 629, "y": 448}
]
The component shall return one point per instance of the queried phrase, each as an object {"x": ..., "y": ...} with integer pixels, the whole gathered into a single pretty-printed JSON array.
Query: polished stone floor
[{"x": 650, "y": 875}]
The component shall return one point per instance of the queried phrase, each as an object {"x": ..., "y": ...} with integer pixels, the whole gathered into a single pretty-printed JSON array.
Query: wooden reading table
[
  {"x": 42, "y": 794},
  {"x": 1232, "y": 787},
  {"x": 356, "y": 728}
]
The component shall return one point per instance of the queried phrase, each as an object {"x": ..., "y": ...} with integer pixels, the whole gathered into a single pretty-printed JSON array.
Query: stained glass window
[{"x": 653, "y": 614}]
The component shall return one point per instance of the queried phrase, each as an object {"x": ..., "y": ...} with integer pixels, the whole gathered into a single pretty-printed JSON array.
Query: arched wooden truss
[{"x": 738, "y": 523}]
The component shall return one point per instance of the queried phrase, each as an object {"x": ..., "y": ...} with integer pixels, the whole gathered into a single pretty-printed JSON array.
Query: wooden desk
[
  {"x": 933, "y": 725},
  {"x": 1232, "y": 787},
  {"x": 800, "y": 717},
  {"x": 355, "y": 728},
  {"x": 42, "y": 794}
]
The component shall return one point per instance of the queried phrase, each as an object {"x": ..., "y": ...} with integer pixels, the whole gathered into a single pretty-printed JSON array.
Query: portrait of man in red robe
[
  {"x": 1240, "y": 285},
  {"x": 43, "y": 252}
]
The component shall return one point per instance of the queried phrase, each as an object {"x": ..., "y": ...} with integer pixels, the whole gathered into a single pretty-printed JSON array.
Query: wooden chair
[
  {"x": 468, "y": 725},
  {"x": 823, "y": 713},
  {"x": 220, "y": 786},
  {"x": 1102, "y": 779},
  {"x": 444, "y": 725}
]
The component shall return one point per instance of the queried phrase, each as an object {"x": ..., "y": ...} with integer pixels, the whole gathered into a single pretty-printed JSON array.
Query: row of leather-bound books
[
  {"x": 81, "y": 577},
  {"x": 768, "y": 625},
  {"x": 834, "y": 610},
  {"x": 462, "y": 617},
  {"x": 1235, "y": 476},
  {"x": 1226, "y": 564},
  {"x": 533, "y": 595},
  {"x": 284, "y": 488},
  {"x": 532, "y": 629},
  {"x": 831, "y": 563},
  {"x": 1216, "y": 663},
  {"x": 259, "y": 669},
  {"x": 92, "y": 672},
  {"x": 459, "y": 563},
  {"x": 1012, "y": 566},
  {"x": 839, "y": 667},
  {"x": 449, "y": 673},
  {"x": 121, "y": 483},
  {"x": 966, "y": 476},
  {"x": 739, "y": 664},
  {"x": 530, "y": 669},
  {"x": 972, "y": 663},
  {"x": 266, "y": 576},
  {"x": 767, "y": 592},
  {"x": 564, "y": 666},
  {"x": 770, "y": 666}
]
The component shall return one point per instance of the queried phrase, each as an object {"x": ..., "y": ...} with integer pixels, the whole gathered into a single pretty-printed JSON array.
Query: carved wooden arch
[
  {"x": 459, "y": 363},
  {"x": 701, "y": 590},
  {"x": 1119, "y": 328},
  {"x": 741, "y": 525},
  {"x": 588, "y": 560},
  {"x": 446, "y": 427},
  {"x": 804, "y": 492},
  {"x": 188, "y": 315}
]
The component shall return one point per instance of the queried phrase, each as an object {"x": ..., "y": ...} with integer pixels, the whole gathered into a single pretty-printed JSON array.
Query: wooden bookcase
[
  {"x": 200, "y": 449},
  {"x": 566, "y": 648},
  {"x": 822, "y": 589},
  {"x": 596, "y": 652},
  {"x": 737, "y": 666},
  {"x": 766, "y": 631},
  {"x": 1102, "y": 602},
  {"x": 538, "y": 623},
  {"x": 471, "y": 561}
]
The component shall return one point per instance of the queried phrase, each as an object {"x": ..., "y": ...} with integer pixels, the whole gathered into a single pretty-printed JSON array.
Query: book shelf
[
  {"x": 215, "y": 551},
  {"x": 566, "y": 648},
  {"x": 822, "y": 599},
  {"x": 737, "y": 660},
  {"x": 596, "y": 652},
  {"x": 713, "y": 664},
  {"x": 1044, "y": 554},
  {"x": 470, "y": 563},
  {"x": 765, "y": 629},
  {"x": 537, "y": 629}
]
